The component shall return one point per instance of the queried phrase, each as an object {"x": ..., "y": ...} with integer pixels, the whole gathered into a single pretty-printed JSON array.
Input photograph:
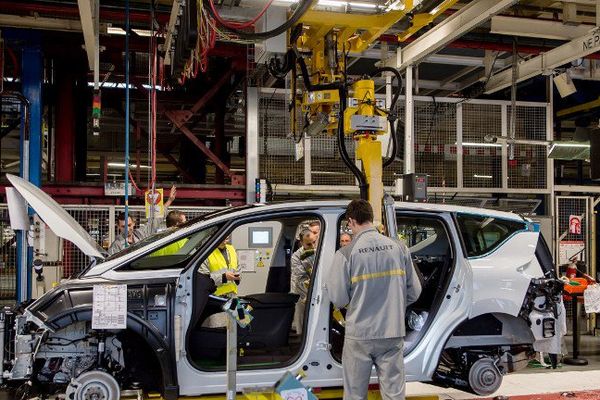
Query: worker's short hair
[
  {"x": 360, "y": 211},
  {"x": 303, "y": 231},
  {"x": 121, "y": 217},
  {"x": 173, "y": 218},
  {"x": 314, "y": 223}
]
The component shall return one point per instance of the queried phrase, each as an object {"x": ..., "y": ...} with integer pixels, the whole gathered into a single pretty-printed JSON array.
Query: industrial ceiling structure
[{"x": 206, "y": 96}]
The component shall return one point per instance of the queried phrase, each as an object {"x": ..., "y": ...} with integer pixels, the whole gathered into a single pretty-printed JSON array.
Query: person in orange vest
[{"x": 222, "y": 266}]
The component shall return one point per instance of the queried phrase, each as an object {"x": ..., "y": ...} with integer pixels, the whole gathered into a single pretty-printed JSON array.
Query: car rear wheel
[{"x": 484, "y": 377}]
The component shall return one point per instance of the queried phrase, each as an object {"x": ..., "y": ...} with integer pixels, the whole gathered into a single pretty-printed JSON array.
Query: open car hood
[{"x": 57, "y": 219}]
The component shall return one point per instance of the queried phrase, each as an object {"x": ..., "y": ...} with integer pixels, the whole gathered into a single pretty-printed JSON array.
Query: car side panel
[{"x": 502, "y": 277}]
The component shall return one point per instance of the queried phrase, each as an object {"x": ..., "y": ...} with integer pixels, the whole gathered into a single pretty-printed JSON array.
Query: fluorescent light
[
  {"x": 469, "y": 144},
  {"x": 122, "y": 165},
  {"x": 142, "y": 32},
  {"x": 483, "y": 176},
  {"x": 332, "y": 3},
  {"x": 114, "y": 85},
  {"x": 115, "y": 30},
  {"x": 362, "y": 5},
  {"x": 583, "y": 145}
]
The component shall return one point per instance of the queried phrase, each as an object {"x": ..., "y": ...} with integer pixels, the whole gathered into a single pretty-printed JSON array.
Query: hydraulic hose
[
  {"x": 302, "y": 8},
  {"x": 362, "y": 180},
  {"x": 392, "y": 117}
]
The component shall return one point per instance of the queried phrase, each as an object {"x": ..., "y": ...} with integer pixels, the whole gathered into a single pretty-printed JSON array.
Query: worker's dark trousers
[{"x": 358, "y": 359}]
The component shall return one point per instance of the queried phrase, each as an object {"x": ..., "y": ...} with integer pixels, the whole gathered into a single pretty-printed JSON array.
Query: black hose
[
  {"x": 298, "y": 13},
  {"x": 362, "y": 180},
  {"x": 392, "y": 117}
]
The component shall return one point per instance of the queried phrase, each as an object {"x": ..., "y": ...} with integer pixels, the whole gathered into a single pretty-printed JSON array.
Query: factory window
[{"x": 483, "y": 234}]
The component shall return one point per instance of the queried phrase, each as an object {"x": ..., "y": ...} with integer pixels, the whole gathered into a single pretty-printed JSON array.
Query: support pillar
[
  {"x": 31, "y": 150},
  {"x": 252, "y": 127},
  {"x": 409, "y": 124},
  {"x": 65, "y": 128}
]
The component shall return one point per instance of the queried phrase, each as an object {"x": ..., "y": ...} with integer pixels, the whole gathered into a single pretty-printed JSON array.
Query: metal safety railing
[
  {"x": 98, "y": 220},
  {"x": 462, "y": 145}
]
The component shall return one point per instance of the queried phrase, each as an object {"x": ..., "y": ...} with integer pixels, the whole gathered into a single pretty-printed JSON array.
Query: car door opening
[{"x": 260, "y": 251}]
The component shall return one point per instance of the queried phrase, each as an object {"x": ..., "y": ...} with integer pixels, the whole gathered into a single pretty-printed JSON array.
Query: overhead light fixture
[
  {"x": 142, "y": 32},
  {"x": 469, "y": 144},
  {"x": 339, "y": 3},
  {"x": 564, "y": 84},
  {"x": 122, "y": 165},
  {"x": 483, "y": 176},
  {"x": 395, "y": 5},
  {"x": 569, "y": 151},
  {"x": 115, "y": 30}
]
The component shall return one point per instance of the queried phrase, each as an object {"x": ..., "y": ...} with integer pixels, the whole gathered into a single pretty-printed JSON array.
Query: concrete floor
[{"x": 528, "y": 381}]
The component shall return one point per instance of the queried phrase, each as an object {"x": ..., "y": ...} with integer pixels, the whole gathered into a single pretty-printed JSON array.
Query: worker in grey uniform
[
  {"x": 302, "y": 264},
  {"x": 373, "y": 277}
]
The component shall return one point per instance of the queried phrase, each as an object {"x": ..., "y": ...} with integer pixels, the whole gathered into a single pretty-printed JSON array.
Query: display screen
[{"x": 260, "y": 237}]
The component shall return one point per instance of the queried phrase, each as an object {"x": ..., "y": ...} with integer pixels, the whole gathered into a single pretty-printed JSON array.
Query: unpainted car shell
[{"x": 496, "y": 283}]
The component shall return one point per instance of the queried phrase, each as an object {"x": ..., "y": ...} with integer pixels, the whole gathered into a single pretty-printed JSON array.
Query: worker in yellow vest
[
  {"x": 223, "y": 268},
  {"x": 174, "y": 219}
]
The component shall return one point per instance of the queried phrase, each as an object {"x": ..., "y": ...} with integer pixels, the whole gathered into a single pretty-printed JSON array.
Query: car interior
[
  {"x": 433, "y": 259},
  {"x": 264, "y": 250}
]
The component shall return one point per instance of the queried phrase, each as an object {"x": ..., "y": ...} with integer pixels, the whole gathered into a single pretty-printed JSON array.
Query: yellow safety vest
[
  {"x": 173, "y": 248},
  {"x": 217, "y": 264}
]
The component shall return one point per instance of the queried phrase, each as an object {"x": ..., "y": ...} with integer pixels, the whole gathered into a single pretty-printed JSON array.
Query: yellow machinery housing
[{"x": 328, "y": 37}]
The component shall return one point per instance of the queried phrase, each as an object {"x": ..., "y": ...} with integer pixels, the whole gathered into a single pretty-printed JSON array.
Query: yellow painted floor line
[{"x": 323, "y": 394}]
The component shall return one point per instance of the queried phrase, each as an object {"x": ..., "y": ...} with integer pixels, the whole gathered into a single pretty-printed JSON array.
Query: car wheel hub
[
  {"x": 93, "y": 385},
  {"x": 484, "y": 377}
]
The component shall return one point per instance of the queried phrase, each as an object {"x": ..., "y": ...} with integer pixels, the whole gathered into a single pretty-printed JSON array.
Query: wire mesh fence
[
  {"x": 458, "y": 144},
  {"x": 435, "y": 142},
  {"x": 8, "y": 258},
  {"x": 98, "y": 221},
  {"x": 482, "y": 161}
]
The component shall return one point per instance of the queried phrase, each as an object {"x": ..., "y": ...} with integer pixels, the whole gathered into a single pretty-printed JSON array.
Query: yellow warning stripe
[{"x": 375, "y": 275}]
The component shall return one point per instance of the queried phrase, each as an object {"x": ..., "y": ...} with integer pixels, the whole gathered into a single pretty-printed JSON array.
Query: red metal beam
[
  {"x": 72, "y": 11},
  {"x": 181, "y": 117},
  {"x": 173, "y": 116}
]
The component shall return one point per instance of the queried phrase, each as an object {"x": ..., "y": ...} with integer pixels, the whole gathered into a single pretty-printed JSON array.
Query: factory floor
[{"x": 580, "y": 383}]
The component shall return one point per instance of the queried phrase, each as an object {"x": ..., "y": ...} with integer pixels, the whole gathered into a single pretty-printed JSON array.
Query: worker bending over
[{"x": 373, "y": 277}]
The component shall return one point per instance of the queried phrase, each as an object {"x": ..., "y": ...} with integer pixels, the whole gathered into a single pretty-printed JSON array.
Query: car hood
[{"x": 57, "y": 219}]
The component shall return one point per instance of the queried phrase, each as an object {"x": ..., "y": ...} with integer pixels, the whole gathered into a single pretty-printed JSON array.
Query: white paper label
[
  {"x": 109, "y": 308},
  {"x": 591, "y": 299},
  {"x": 294, "y": 394},
  {"x": 300, "y": 150}
]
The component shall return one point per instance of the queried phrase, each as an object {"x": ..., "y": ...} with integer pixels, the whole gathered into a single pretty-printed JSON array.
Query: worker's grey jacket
[
  {"x": 120, "y": 243},
  {"x": 374, "y": 278}
]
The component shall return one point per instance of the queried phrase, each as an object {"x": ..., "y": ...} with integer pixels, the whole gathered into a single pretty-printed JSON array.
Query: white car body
[{"x": 500, "y": 285}]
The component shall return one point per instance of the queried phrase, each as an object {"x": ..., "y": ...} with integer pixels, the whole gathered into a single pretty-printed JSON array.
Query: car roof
[{"x": 313, "y": 205}]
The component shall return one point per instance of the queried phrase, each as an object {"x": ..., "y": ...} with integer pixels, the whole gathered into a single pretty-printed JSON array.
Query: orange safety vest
[{"x": 217, "y": 263}]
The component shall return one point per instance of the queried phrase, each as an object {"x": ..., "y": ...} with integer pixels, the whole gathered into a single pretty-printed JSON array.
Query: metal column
[
  {"x": 409, "y": 127},
  {"x": 251, "y": 143},
  {"x": 31, "y": 150}
]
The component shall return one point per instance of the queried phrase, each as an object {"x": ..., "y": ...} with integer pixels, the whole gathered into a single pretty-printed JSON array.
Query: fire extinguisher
[{"x": 571, "y": 270}]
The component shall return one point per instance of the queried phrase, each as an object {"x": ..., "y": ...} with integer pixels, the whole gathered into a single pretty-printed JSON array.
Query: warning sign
[
  {"x": 154, "y": 201},
  {"x": 575, "y": 224}
]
